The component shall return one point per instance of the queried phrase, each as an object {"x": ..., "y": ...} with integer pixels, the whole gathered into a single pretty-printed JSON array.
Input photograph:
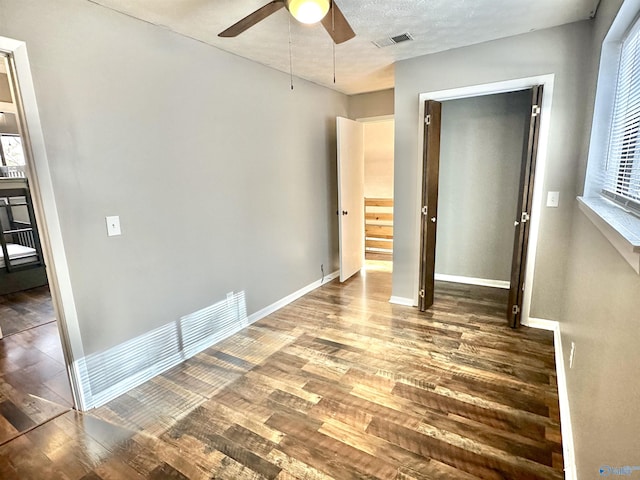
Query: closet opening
[{"x": 479, "y": 166}]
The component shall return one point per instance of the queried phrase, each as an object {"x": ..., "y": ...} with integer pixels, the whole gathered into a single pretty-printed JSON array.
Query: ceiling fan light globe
[{"x": 308, "y": 11}]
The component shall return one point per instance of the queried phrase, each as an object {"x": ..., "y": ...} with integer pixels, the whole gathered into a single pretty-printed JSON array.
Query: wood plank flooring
[
  {"x": 338, "y": 385},
  {"x": 21, "y": 311},
  {"x": 34, "y": 387}
]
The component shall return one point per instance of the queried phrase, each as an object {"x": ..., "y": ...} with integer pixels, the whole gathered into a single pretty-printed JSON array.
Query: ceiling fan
[{"x": 305, "y": 11}]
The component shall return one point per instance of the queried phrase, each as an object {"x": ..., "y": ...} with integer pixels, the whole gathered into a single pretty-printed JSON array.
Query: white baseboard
[
  {"x": 407, "y": 302},
  {"x": 268, "y": 310},
  {"x": 483, "y": 282},
  {"x": 541, "y": 324},
  {"x": 568, "y": 448}
]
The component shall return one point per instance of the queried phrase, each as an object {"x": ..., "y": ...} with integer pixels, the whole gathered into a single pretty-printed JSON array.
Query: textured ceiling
[{"x": 435, "y": 25}]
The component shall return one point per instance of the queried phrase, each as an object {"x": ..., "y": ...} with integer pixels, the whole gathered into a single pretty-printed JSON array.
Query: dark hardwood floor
[
  {"x": 34, "y": 387},
  {"x": 339, "y": 384},
  {"x": 21, "y": 311}
]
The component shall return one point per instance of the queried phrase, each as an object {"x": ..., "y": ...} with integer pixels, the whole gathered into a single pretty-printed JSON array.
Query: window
[
  {"x": 12, "y": 152},
  {"x": 622, "y": 167},
  {"x": 12, "y": 160},
  {"x": 611, "y": 198}
]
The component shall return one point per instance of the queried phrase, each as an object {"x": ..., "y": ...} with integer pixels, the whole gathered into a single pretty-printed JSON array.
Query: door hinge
[
  {"x": 421, "y": 293},
  {"x": 427, "y": 119},
  {"x": 535, "y": 110},
  {"x": 524, "y": 218},
  {"x": 425, "y": 209},
  {"x": 515, "y": 309}
]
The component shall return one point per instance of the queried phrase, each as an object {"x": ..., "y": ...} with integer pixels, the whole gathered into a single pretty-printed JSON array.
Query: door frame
[
  {"x": 46, "y": 212},
  {"x": 547, "y": 81},
  {"x": 364, "y": 121}
]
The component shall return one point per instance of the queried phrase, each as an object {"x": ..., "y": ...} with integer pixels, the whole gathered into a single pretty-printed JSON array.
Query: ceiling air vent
[{"x": 387, "y": 42}]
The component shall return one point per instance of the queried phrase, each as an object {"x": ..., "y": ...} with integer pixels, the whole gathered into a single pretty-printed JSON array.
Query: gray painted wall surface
[
  {"x": 224, "y": 179},
  {"x": 373, "y": 104},
  {"x": 601, "y": 311},
  {"x": 563, "y": 51},
  {"x": 480, "y": 157}
]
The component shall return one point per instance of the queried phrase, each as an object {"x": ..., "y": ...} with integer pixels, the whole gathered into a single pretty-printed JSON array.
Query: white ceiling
[{"x": 435, "y": 25}]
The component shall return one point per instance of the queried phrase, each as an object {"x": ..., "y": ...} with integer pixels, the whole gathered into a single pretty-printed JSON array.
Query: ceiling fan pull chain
[
  {"x": 290, "y": 55},
  {"x": 333, "y": 27},
  {"x": 334, "y": 63}
]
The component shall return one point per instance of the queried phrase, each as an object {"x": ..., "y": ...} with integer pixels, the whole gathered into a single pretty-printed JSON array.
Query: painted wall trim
[
  {"x": 541, "y": 324},
  {"x": 407, "y": 302},
  {"x": 379, "y": 118},
  {"x": 484, "y": 282},
  {"x": 268, "y": 310},
  {"x": 568, "y": 447},
  {"x": 46, "y": 211},
  {"x": 538, "y": 201},
  {"x": 617, "y": 225}
]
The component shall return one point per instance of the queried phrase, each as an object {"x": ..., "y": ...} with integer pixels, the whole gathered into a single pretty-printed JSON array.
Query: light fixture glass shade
[{"x": 308, "y": 11}]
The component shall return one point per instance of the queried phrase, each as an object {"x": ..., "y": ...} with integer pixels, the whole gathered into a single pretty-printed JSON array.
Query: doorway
[
  {"x": 378, "y": 192},
  {"x": 365, "y": 194},
  {"x": 473, "y": 230},
  {"x": 23, "y": 278},
  {"x": 34, "y": 384}
]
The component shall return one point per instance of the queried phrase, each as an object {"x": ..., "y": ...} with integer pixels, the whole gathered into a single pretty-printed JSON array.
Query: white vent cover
[
  {"x": 387, "y": 42},
  {"x": 112, "y": 372}
]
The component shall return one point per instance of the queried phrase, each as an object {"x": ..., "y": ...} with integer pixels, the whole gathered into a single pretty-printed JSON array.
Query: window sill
[{"x": 621, "y": 228}]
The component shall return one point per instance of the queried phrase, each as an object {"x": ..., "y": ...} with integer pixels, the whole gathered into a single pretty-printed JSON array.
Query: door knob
[
  {"x": 344, "y": 212},
  {"x": 433, "y": 219}
]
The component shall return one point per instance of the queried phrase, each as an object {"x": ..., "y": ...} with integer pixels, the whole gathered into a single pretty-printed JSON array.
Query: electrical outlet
[{"x": 572, "y": 354}]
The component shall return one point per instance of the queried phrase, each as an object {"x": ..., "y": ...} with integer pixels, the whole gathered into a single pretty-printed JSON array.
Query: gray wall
[
  {"x": 373, "y": 104},
  {"x": 480, "y": 157},
  {"x": 224, "y": 179},
  {"x": 600, "y": 314},
  {"x": 563, "y": 51}
]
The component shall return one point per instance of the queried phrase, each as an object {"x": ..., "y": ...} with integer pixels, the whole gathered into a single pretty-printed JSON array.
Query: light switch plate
[
  {"x": 553, "y": 199},
  {"x": 113, "y": 226}
]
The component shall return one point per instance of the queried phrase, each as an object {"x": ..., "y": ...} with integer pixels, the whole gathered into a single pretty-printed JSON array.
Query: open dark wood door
[
  {"x": 523, "y": 214},
  {"x": 429, "y": 214}
]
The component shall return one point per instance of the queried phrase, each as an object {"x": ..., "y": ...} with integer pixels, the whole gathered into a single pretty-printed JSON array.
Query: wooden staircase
[{"x": 378, "y": 228}]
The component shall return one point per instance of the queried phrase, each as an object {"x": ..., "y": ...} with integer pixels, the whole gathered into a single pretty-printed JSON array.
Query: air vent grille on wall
[
  {"x": 109, "y": 373},
  {"x": 387, "y": 42}
]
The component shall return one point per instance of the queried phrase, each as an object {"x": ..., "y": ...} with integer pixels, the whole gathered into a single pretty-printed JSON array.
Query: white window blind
[{"x": 622, "y": 170}]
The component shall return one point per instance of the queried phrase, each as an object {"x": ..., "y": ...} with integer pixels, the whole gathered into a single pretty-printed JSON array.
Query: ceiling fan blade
[
  {"x": 337, "y": 26},
  {"x": 250, "y": 20}
]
